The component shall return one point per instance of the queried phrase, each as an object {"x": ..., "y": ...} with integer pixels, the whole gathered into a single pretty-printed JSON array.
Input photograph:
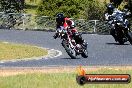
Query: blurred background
[{"x": 39, "y": 15}]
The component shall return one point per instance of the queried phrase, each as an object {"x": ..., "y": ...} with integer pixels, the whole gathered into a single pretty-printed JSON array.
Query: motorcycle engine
[{"x": 78, "y": 46}]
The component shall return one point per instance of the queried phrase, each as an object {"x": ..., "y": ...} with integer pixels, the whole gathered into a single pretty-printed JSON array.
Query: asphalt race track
[{"x": 103, "y": 50}]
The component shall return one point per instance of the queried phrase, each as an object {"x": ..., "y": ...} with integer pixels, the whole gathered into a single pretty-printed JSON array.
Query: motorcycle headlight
[
  {"x": 60, "y": 31},
  {"x": 114, "y": 20},
  {"x": 119, "y": 24}
]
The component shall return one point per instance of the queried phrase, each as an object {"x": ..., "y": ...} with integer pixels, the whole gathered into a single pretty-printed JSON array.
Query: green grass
[
  {"x": 57, "y": 80},
  {"x": 10, "y": 51}
]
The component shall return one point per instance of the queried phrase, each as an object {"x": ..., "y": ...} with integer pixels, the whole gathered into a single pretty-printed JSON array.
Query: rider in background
[
  {"x": 68, "y": 25},
  {"x": 111, "y": 11},
  {"x": 109, "y": 15}
]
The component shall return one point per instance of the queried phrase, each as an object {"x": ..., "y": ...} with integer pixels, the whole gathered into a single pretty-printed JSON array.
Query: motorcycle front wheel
[
  {"x": 85, "y": 54},
  {"x": 71, "y": 52},
  {"x": 121, "y": 42},
  {"x": 129, "y": 37}
]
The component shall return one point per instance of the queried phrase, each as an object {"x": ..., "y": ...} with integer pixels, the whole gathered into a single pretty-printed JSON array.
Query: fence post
[
  {"x": 95, "y": 25},
  {"x": 23, "y": 24}
]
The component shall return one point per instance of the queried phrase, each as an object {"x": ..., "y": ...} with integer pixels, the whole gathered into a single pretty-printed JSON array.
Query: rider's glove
[
  {"x": 55, "y": 36},
  {"x": 58, "y": 31},
  {"x": 110, "y": 18}
]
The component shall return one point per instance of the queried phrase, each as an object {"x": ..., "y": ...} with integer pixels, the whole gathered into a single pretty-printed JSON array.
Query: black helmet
[
  {"x": 60, "y": 18},
  {"x": 110, "y": 8}
]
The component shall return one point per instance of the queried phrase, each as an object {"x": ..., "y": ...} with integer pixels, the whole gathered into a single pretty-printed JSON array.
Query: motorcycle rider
[
  {"x": 111, "y": 13},
  {"x": 68, "y": 25}
]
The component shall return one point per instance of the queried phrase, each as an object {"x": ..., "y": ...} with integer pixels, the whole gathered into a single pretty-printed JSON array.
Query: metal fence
[{"x": 45, "y": 23}]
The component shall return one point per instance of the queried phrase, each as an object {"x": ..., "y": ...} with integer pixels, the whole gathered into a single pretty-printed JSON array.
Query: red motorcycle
[{"x": 72, "y": 48}]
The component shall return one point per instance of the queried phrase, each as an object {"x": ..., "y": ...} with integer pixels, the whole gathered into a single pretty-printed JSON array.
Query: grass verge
[
  {"x": 9, "y": 51},
  {"x": 58, "y": 80}
]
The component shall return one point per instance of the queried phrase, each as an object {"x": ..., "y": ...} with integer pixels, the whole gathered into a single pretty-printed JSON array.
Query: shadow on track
[
  {"x": 116, "y": 44},
  {"x": 70, "y": 58}
]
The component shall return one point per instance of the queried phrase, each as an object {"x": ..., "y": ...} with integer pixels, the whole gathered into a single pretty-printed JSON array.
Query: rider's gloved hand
[
  {"x": 110, "y": 18},
  {"x": 55, "y": 36}
]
